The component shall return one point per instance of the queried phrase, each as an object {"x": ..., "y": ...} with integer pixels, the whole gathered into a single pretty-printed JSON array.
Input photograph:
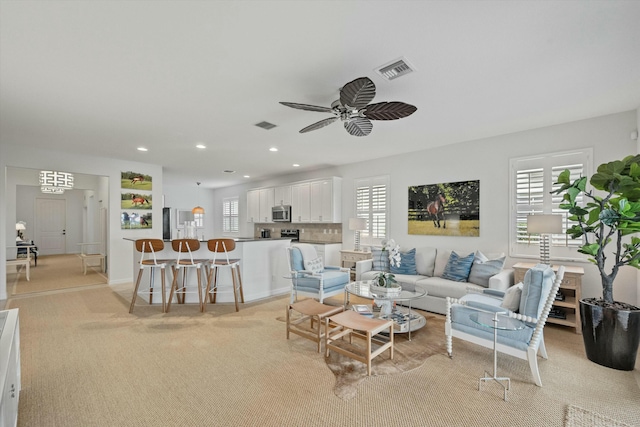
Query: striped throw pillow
[
  {"x": 407, "y": 263},
  {"x": 380, "y": 259},
  {"x": 458, "y": 267}
]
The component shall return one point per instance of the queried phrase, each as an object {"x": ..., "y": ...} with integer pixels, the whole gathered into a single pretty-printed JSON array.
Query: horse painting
[
  {"x": 435, "y": 209},
  {"x": 137, "y": 179},
  {"x": 135, "y": 201}
]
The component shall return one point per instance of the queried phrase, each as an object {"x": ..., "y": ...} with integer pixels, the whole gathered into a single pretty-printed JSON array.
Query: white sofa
[{"x": 430, "y": 264}]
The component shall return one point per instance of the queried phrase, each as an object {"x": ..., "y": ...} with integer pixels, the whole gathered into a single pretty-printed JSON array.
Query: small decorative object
[
  {"x": 394, "y": 252},
  {"x": 385, "y": 284}
]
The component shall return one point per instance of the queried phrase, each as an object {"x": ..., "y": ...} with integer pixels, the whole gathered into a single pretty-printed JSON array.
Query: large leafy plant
[{"x": 611, "y": 218}]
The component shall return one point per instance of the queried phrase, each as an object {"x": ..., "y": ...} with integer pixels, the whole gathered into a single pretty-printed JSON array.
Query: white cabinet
[
  {"x": 300, "y": 197},
  {"x": 9, "y": 367},
  {"x": 266, "y": 203},
  {"x": 326, "y": 196},
  {"x": 311, "y": 201},
  {"x": 253, "y": 206},
  {"x": 282, "y": 195},
  {"x": 259, "y": 204}
]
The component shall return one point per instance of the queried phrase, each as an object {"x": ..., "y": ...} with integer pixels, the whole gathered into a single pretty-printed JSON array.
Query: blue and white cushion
[{"x": 458, "y": 268}]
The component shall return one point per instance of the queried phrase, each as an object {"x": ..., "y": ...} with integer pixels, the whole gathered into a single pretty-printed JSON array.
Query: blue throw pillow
[
  {"x": 380, "y": 259},
  {"x": 458, "y": 268},
  {"x": 407, "y": 263}
]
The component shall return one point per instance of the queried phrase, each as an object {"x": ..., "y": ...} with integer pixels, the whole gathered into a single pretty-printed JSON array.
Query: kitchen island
[{"x": 263, "y": 266}]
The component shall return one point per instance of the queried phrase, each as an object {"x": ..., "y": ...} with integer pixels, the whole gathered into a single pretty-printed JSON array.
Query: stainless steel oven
[{"x": 281, "y": 213}]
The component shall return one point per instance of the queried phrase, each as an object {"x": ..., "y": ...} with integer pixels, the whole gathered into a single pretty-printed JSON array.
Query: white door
[{"x": 51, "y": 220}]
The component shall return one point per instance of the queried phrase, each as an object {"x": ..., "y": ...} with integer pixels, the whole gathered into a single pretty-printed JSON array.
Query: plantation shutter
[
  {"x": 371, "y": 204},
  {"x": 230, "y": 219},
  {"x": 532, "y": 182}
]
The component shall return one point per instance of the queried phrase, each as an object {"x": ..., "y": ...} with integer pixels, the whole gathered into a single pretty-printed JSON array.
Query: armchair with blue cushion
[
  {"x": 310, "y": 277},
  {"x": 529, "y": 302}
]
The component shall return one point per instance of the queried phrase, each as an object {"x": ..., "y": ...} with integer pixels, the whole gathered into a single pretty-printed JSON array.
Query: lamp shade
[
  {"x": 197, "y": 210},
  {"x": 20, "y": 226},
  {"x": 357, "y": 224},
  {"x": 544, "y": 224}
]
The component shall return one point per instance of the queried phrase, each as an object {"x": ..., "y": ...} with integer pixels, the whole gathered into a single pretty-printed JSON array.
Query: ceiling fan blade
[
  {"x": 358, "y": 126},
  {"x": 307, "y": 107},
  {"x": 320, "y": 124},
  {"x": 388, "y": 110},
  {"x": 358, "y": 93}
]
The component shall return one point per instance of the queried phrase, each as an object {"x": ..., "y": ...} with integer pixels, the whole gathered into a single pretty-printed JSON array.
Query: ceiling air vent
[
  {"x": 395, "y": 69},
  {"x": 265, "y": 125}
]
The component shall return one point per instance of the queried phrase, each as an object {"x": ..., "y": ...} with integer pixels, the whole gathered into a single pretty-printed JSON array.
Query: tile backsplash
[{"x": 309, "y": 232}]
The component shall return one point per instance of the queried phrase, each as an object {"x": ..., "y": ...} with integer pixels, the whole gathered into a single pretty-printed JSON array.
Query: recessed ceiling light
[
  {"x": 142, "y": 149},
  {"x": 228, "y": 171},
  {"x": 247, "y": 176},
  {"x": 201, "y": 146},
  {"x": 274, "y": 149},
  {"x": 295, "y": 165}
]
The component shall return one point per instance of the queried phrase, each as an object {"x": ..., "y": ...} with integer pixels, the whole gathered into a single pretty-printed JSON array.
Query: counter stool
[
  {"x": 149, "y": 247},
  {"x": 223, "y": 246},
  {"x": 315, "y": 312},
  {"x": 349, "y": 323},
  {"x": 186, "y": 246}
]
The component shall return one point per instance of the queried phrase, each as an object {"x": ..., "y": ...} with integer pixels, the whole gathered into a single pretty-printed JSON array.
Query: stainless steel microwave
[{"x": 281, "y": 213}]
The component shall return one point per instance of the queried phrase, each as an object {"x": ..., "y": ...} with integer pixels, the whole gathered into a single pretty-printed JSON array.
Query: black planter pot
[{"x": 611, "y": 336}]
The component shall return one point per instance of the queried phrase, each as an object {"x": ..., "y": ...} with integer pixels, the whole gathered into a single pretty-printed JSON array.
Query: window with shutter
[
  {"x": 230, "y": 219},
  {"x": 371, "y": 204},
  {"x": 532, "y": 181}
]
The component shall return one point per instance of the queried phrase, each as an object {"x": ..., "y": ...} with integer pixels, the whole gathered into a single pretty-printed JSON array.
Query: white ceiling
[{"x": 105, "y": 77}]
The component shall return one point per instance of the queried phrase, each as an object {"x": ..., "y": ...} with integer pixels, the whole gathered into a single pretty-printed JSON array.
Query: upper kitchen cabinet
[
  {"x": 326, "y": 195},
  {"x": 300, "y": 202},
  {"x": 259, "y": 204},
  {"x": 282, "y": 195}
]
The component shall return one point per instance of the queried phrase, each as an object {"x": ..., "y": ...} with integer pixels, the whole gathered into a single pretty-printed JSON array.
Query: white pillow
[
  {"x": 315, "y": 265},
  {"x": 511, "y": 300}
]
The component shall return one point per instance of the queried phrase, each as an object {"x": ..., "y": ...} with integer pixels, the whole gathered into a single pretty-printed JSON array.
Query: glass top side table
[{"x": 496, "y": 321}]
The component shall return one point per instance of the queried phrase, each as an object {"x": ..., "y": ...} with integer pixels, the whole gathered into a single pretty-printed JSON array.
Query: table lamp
[
  {"x": 357, "y": 224},
  {"x": 544, "y": 225}
]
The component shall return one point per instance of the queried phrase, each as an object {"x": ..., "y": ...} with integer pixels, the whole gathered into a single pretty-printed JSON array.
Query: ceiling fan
[{"x": 354, "y": 110}]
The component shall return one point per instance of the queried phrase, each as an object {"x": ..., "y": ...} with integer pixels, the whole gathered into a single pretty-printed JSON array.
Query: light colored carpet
[
  {"x": 87, "y": 362},
  {"x": 54, "y": 272},
  {"x": 580, "y": 417},
  {"x": 408, "y": 355}
]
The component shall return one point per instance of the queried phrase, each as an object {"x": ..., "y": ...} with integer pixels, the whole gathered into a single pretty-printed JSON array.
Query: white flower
[{"x": 394, "y": 252}]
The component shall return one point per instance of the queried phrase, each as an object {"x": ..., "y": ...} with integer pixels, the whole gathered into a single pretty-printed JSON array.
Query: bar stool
[
  {"x": 349, "y": 323},
  {"x": 315, "y": 312},
  {"x": 183, "y": 246},
  {"x": 223, "y": 246},
  {"x": 149, "y": 247}
]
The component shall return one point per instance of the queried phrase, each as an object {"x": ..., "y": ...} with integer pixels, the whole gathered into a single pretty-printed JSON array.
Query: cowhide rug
[{"x": 407, "y": 355}]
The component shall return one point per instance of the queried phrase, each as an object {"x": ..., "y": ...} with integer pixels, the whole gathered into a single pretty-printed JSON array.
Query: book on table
[{"x": 362, "y": 309}]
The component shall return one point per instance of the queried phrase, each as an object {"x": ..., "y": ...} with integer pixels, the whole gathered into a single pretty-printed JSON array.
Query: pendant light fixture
[{"x": 198, "y": 209}]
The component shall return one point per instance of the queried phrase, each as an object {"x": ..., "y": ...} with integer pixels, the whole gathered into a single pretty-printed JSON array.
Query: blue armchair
[
  {"x": 310, "y": 277},
  {"x": 537, "y": 294}
]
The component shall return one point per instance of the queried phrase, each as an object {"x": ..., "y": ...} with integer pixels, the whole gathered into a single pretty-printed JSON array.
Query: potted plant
[{"x": 610, "y": 329}]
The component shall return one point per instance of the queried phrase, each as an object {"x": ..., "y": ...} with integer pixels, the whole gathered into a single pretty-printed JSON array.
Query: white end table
[{"x": 496, "y": 321}]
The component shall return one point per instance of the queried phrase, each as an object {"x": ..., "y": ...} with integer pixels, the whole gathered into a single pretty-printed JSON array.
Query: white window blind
[
  {"x": 372, "y": 205},
  {"x": 230, "y": 219},
  {"x": 532, "y": 181}
]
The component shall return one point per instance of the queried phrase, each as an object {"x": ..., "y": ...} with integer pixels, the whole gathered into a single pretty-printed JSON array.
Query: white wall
[
  {"x": 486, "y": 160},
  {"x": 119, "y": 253}
]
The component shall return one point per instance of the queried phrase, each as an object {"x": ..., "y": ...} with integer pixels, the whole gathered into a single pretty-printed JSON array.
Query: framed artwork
[
  {"x": 135, "y": 180},
  {"x": 448, "y": 209},
  {"x": 132, "y": 220},
  {"x": 135, "y": 201}
]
